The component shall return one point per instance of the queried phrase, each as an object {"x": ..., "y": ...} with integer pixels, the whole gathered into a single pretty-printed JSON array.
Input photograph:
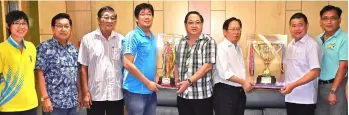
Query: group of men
[{"x": 109, "y": 70}]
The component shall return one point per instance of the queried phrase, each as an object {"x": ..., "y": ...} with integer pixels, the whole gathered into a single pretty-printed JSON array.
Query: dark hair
[
  {"x": 227, "y": 22},
  {"x": 14, "y": 16},
  {"x": 299, "y": 16},
  {"x": 329, "y": 8},
  {"x": 61, "y": 16},
  {"x": 142, "y": 6},
  {"x": 105, "y": 8},
  {"x": 193, "y": 12}
]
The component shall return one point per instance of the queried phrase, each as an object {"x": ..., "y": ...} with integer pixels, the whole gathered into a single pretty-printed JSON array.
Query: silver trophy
[{"x": 268, "y": 47}]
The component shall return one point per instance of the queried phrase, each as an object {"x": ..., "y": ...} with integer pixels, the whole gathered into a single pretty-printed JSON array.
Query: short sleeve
[
  {"x": 40, "y": 57},
  {"x": 314, "y": 56},
  {"x": 210, "y": 52},
  {"x": 343, "y": 50},
  {"x": 83, "y": 57},
  {"x": 129, "y": 45}
]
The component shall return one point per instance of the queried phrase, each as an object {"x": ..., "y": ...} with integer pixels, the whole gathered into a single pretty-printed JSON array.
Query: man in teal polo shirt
[
  {"x": 334, "y": 43},
  {"x": 139, "y": 50}
]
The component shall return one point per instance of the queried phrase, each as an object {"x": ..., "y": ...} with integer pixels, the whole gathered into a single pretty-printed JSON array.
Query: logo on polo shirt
[
  {"x": 30, "y": 57},
  {"x": 330, "y": 46}
]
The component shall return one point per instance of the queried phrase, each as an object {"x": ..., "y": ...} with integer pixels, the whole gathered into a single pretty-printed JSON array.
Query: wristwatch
[
  {"x": 43, "y": 98},
  {"x": 189, "y": 81},
  {"x": 332, "y": 91}
]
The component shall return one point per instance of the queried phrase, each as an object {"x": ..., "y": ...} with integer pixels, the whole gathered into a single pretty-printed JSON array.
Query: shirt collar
[
  {"x": 229, "y": 44},
  {"x": 336, "y": 34},
  {"x": 303, "y": 39},
  {"x": 57, "y": 43},
  {"x": 202, "y": 36},
  {"x": 14, "y": 44},
  {"x": 142, "y": 33},
  {"x": 99, "y": 33}
]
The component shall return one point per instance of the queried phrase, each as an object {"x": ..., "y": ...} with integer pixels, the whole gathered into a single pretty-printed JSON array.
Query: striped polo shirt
[{"x": 17, "y": 81}]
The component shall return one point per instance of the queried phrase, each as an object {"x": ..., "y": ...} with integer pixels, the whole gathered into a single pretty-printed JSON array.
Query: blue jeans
[
  {"x": 60, "y": 111},
  {"x": 140, "y": 104}
]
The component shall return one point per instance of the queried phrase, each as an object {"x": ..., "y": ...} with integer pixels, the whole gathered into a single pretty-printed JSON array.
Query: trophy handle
[{"x": 256, "y": 49}]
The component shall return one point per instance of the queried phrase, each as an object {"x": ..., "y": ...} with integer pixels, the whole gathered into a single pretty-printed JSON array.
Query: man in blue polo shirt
[
  {"x": 334, "y": 43},
  {"x": 139, "y": 50}
]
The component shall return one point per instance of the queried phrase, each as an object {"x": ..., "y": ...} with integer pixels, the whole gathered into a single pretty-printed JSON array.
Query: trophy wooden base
[
  {"x": 168, "y": 83},
  {"x": 266, "y": 82}
]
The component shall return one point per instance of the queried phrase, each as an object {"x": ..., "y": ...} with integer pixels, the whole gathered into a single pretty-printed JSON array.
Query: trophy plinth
[
  {"x": 166, "y": 81},
  {"x": 266, "y": 79}
]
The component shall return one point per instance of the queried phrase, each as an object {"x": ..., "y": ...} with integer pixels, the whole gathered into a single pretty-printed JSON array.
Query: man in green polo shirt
[{"x": 334, "y": 65}]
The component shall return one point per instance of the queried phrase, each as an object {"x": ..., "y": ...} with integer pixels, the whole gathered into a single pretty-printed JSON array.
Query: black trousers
[
  {"x": 300, "y": 109},
  {"x": 194, "y": 106},
  {"x": 27, "y": 112},
  {"x": 228, "y": 100},
  {"x": 106, "y": 108}
]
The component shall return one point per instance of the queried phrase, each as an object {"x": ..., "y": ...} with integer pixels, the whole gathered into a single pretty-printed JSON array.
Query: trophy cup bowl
[{"x": 267, "y": 53}]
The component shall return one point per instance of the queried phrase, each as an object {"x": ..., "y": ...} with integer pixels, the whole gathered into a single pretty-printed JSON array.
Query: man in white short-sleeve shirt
[
  {"x": 101, "y": 64},
  {"x": 302, "y": 69}
]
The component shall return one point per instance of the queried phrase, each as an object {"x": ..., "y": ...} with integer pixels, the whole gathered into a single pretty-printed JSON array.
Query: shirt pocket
[
  {"x": 116, "y": 54},
  {"x": 300, "y": 57}
]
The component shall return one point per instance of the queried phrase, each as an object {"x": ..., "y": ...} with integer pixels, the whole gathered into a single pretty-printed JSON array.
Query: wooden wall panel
[
  {"x": 344, "y": 6},
  {"x": 203, "y": 7},
  {"x": 174, "y": 22},
  {"x": 78, "y": 5},
  {"x": 312, "y": 11},
  {"x": 3, "y": 18},
  {"x": 245, "y": 11},
  {"x": 80, "y": 27},
  {"x": 158, "y": 23},
  {"x": 47, "y": 10},
  {"x": 293, "y": 5},
  {"x": 270, "y": 17},
  {"x": 135, "y": 3},
  {"x": 157, "y": 5},
  {"x": 45, "y": 37},
  {"x": 217, "y": 5},
  {"x": 124, "y": 9},
  {"x": 217, "y": 20}
]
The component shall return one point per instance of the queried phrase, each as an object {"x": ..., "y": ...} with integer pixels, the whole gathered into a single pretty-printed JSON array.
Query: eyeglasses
[
  {"x": 194, "y": 23},
  {"x": 112, "y": 18},
  {"x": 238, "y": 30},
  {"x": 19, "y": 24},
  {"x": 62, "y": 26},
  {"x": 325, "y": 19},
  {"x": 146, "y": 14}
]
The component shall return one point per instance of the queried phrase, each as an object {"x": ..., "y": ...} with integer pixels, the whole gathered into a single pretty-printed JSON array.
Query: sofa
[{"x": 259, "y": 102}]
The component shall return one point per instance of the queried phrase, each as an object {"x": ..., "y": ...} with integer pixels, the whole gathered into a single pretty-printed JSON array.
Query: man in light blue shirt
[
  {"x": 139, "y": 50},
  {"x": 334, "y": 65}
]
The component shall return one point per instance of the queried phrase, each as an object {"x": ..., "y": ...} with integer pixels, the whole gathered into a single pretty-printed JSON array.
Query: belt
[{"x": 326, "y": 81}]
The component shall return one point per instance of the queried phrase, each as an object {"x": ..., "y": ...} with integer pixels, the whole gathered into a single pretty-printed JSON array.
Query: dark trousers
[
  {"x": 27, "y": 112},
  {"x": 228, "y": 100},
  {"x": 106, "y": 108},
  {"x": 300, "y": 109},
  {"x": 194, "y": 106}
]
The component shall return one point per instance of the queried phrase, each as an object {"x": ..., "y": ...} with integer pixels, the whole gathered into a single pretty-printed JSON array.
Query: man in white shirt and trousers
[
  {"x": 230, "y": 76},
  {"x": 302, "y": 69}
]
